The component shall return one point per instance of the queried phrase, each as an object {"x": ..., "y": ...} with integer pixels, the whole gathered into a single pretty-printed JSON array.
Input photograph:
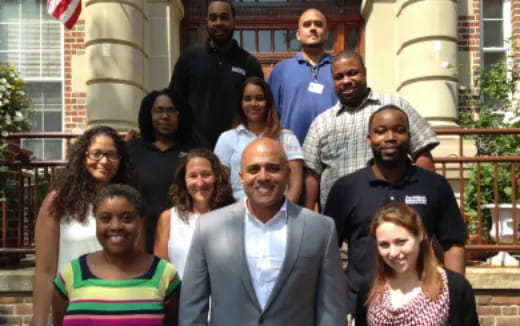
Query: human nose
[
  {"x": 393, "y": 252},
  {"x": 114, "y": 224}
]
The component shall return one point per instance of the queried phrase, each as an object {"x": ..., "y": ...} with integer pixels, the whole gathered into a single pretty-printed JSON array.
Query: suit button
[{"x": 261, "y": 320}]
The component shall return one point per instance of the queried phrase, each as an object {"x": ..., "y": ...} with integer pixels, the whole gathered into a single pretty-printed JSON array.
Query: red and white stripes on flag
[{"x": 66, "y": 11}]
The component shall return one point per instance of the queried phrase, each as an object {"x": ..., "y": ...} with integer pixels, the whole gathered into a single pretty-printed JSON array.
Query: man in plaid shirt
[{"x": 336, "y": 143}]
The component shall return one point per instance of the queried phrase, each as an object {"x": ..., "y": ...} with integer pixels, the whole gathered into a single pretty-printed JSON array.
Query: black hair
[
  {"x": 231, "y": 6},
  {"x": 388, "y": 107},
  {"x": 120, "y": 190},
  {"x": 347, "y": 54}
]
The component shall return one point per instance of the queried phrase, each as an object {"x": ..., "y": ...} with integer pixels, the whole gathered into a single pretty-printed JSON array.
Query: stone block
[
  {"x": 508, "y": 321},
  {"x": 487, "y": 320},
  {"x": 511, "y": 310}
]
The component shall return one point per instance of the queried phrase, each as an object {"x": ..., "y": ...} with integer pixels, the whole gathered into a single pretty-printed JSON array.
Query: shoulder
[
  {"x": 219, "y": 217},
  {"x": 312, "y": 219},
  {"x": 429, "y": 177},
  {"x": 457, "y": 281},
  {"x": 352, "y": 179}
]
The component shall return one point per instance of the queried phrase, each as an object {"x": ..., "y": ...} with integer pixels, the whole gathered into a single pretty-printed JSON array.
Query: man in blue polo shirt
[
  {"x": 302, "y": 85},
  {"x": 390, "y": 176}
]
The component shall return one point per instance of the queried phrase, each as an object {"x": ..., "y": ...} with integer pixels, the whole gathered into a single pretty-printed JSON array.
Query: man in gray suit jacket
[{"x": 263, "y": 260}]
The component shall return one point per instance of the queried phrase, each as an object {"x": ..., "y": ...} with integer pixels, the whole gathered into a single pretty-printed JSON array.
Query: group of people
[{"x": 195, "y": 219}]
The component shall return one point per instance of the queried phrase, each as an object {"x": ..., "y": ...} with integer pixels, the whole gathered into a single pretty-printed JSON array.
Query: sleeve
[
  {"x": 291, "y": 145},
  {"x": 311, "y": 148},
  {"x": 195, "y": 290},
  {"x": 334, "y": 209},
  {"x": 170, "y": 279},
  {"x": 63, "y": 282},
  {"x": 275, "y": 83},
  {"x": 450, "y": 227},
  {"x": 224, "y": 147},
  {"x": 463, "y": 309},
  {"x": 423, "y": 136},
  {"x": 331, "y": 298}
]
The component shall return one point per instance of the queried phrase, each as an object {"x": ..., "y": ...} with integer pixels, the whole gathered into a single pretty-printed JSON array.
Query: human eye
[
  {"x": 253, "y": 169},
  {"x": 260, "y": 98},
  {"x": 337, "y": 76},
  {"x": 306, "y": 24},
  {"x": 401, "y": 242},
  {"x": 383, "y": 244},
  {"x": 95, "y": 154},
  {"x": 104, "y": 217},
  {"x": 207, "y": 174},
  {"x": 379, "y": 130},
  {"x": 112, "y": 156},
  {"x": 128, "y": 218},
  {"x": 273, "y": 168},
  {"x": 351, "y": 73},
  {"x": 212, "y": 17}
]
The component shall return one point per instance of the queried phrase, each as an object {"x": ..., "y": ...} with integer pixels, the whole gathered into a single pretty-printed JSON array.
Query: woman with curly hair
[
  {"x": 65, "y": 227},
  {"x": 258, "y": 118},
  {"x": 411, "y": 287},
  {"x": 164, "y": 128},
  {"x": 200, "y": 185}
]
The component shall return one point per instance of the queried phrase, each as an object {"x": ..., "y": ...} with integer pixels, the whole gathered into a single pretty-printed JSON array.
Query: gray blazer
[{"x": 310, "y": 289}]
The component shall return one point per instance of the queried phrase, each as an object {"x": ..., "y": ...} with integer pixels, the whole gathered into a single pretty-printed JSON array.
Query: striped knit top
[{"x": 95, "y": 301}]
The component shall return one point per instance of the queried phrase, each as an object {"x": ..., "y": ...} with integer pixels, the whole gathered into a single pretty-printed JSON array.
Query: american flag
[{"x": 66, "y": 11}]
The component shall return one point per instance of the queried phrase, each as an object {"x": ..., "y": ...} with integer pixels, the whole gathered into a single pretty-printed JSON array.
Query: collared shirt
[
  {"x": 231, "y": 145},
  {"x": 298, "y": 104},
  {"x": 265, "y": 246},
  {"x": 210, "y": 82},
  {"x": 336, "y": 144},
  {"x": 355, "y": 198}
]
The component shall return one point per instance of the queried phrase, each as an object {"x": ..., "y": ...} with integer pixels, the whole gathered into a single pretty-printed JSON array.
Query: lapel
[
  {"x": 236, "y": 244},
  {"x": 295, "y": 225}
]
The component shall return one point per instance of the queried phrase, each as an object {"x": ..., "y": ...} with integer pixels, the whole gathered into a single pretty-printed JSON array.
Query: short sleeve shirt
[
  {"x": 355, "y": 198},
  {"x": 336, "y": 144},
  {"x": 231, "y": 145}
]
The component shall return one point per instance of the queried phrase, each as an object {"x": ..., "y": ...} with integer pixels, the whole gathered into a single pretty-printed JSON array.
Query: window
[
  {"x": 495, "y": 31},
  {"x": 32, "y": 40}
]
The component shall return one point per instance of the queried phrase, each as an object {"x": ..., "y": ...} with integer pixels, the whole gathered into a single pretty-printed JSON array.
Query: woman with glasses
[
  {"x": 156, "y": 154},
  {"x": 65, "y": 227}
]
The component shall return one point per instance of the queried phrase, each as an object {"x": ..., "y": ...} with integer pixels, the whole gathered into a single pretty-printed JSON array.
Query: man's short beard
[
  {"x": 395, "y": 161},
  {"x": 221, "y": 41}
]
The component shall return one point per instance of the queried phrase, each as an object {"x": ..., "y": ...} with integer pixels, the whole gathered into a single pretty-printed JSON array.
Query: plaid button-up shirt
[{"x": 336, "y": 143}]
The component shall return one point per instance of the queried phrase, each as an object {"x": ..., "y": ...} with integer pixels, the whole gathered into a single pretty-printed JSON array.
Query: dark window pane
[
  {"x": 52, "y": 149},
  {"x": 352, "y": 39},
  {"x": 35, "y": 146},
  {"x": 492, "y": 8},
  {"x": 280, "y": 41},
  {"x": 9, "y": 10},
  {"x": 52, "y": 96},
  {"x": 52, "y": 121},
  {"x": 236, "y": 36},
  {"x": 264, "y": 41},
  {"x": 36, "y": 120},
  {"x": 193, "y": 36},
  {"x": 31, "y": 9},
  {"x": 493, "y": 34},
  {"x": 9, "y": 35},
  {"x": 331, "y": 36},
  {"x": 294, "y": 45},
  {"x": 491, "y": 58},
  {"x": 249, "y": 41}
]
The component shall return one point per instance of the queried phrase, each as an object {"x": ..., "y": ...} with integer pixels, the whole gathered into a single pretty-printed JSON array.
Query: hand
[
  {"x": 350, "y": 320},
  {"x": 131, "y": 134}
]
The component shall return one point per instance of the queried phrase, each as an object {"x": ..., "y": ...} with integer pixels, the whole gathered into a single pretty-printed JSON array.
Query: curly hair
[
  {"x": 272, "y": 121},
  {"x": 427, "y": 265},
  {"x": 145, "y": 116},
  {"x": 76, "y": 188},
  {"x": 120, "y": 190},
  {"x": 223, "y": 194}
]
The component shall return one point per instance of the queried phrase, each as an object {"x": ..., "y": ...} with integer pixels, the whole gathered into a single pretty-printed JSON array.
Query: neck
[
  {"x": 312, "y": 54},
  {"x": 122, "y": 261},
  {"x": 256, "y": 127},
  {"x": 163, "y": 142},
  {"x": 221, "y": 48},
  {"x": 387, "y": 173},
  {"x": 200, "y": 207},
  {"x": 405, "y": 281},
  {"x": 264, "y": 214}
]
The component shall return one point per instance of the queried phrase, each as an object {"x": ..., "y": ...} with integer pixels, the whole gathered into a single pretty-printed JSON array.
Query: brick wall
[
  {"x": 498, "y": 310},
  {"x": 15, "y": 309},
  {"x": 75, "y": 113}
]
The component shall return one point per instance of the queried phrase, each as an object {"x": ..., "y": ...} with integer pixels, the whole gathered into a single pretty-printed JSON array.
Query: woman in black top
[{"x": 164, "y": 127}]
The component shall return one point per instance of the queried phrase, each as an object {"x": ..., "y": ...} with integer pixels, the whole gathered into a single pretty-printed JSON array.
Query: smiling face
[
  {"x": 103, "y": 169},
  {"x": 165, "y": 117},
  {"x": 254, "y": 104},
  {"x": 389, "y": 136},
  {"x": 398, "y": 248},
  {"x": 350, "y": 82},
  {"x": 221, "y": 23},
  {"x": 312, "y": 29},
  {"x": 118, "y": 225},
  {"x": 200, "y": 180}
]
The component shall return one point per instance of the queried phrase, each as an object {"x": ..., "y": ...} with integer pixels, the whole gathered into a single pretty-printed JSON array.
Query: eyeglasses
[
  {"x": 160, "y": 110},
  {"x": 98, "y": 156}
]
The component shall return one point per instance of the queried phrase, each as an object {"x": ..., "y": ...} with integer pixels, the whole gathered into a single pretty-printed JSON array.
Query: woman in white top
[
  {"x": 65, "y": 227},
  {"x": 200, "y": 184},
  {"x": 258, "y": 117}
]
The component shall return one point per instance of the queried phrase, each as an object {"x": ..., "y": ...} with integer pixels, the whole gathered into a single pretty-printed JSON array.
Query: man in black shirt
[
  {"x": 390, "y": 176},
  {"x": 210, "y": 75}
]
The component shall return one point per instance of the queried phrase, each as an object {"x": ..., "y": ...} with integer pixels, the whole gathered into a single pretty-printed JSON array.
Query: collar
[
  {"x": 371, "y": 98},
  {"x": 211, "y": 50},
  {"x": 281, "y": 214},
  {"x": 325, "y": 59},
  {"x": 410, "y": 175},
  {"x": 241, "y": 129}
]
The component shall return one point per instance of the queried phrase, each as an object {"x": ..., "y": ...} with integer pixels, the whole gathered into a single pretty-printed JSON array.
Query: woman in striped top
[{"x": 119, "y": 285}]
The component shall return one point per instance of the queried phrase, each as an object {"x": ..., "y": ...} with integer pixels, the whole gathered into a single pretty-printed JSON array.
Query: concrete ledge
[
  {"x": 17, "y": 280},
  {"x": 494, "y": 278}
]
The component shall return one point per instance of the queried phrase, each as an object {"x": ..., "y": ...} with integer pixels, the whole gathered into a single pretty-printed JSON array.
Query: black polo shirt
[
  {"x": 210, "y": 82},
  {"x": 354, "y": 199},
  {"x": 155, "y": 169}
]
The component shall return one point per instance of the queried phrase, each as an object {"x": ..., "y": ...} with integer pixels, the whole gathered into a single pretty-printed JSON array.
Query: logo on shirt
[
  {"x": 181, "y": 154},
  {"x": 415, "y": 200},
  {"x": 238, "y": 70}
]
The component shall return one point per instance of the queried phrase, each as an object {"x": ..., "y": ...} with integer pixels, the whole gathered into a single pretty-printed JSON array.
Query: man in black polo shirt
[
  {"x": 210, "y": 76},
  {"x": 390, "y": 176}
]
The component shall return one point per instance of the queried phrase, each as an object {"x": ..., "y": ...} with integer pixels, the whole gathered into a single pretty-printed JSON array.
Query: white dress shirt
[{"x": 265, "y": 246}]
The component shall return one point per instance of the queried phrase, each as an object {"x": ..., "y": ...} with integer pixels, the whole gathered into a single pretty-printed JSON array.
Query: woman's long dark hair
[
  {"x": 181, "y": 199},
  {"x": 76, "y": 188}
]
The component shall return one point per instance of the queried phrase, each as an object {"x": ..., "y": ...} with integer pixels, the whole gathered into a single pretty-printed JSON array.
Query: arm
[
  {"x": 59, "y": 306},
  {"x": 425, "y": 160},
  {"x": 47, "y": 233},
  {"x": 195, "y": 289},
  {"x": 331, "y": 298},
  {"x": 455, "y": 259},
  {"x": 162, "y": 235},
  {"x": 295, "y": 181},
  {"x": 131, "y": 134},
  {"x": 171, "y": 309},
  {"x": 311, "y": 190}
]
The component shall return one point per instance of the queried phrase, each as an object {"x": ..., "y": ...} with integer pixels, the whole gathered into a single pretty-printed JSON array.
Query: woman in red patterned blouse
[{"x": 410, "y": 286}]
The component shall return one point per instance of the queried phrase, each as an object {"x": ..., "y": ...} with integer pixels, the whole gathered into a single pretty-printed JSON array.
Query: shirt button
[{"x": 392, "y": 198}]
